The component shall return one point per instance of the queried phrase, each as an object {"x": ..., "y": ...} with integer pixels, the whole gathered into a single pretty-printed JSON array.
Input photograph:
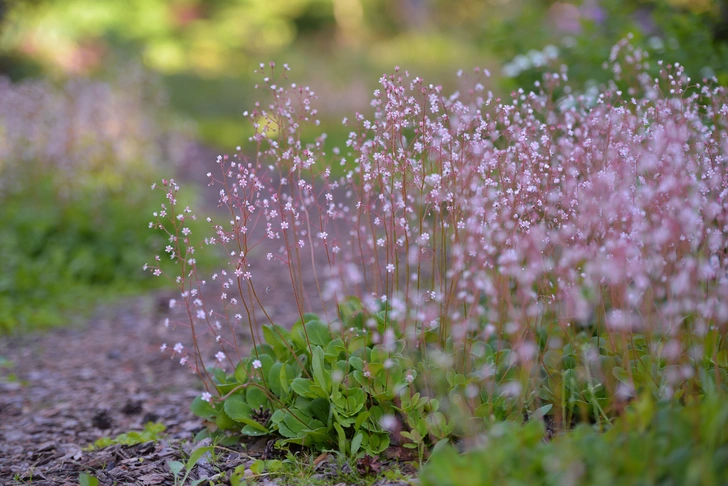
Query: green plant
[
  {"x": 85, "y": 479},
  {"x": 323, "y": 390},
  {"x": 152, "y": 432},
  {"x": 176, "y": 466},
  {"x": 652, "y": 443}
]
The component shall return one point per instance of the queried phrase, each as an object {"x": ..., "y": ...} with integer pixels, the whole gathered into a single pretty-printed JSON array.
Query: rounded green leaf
[
  {"x": 318, "y": 333},
  {"x": 202, "y": 409},
  {"x": 236, "y": 408}
]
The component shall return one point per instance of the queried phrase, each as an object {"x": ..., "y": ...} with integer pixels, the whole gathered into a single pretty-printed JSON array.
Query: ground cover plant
[
  {"x": 73, "y": 159},
  {"x": 550, "y": 257}
]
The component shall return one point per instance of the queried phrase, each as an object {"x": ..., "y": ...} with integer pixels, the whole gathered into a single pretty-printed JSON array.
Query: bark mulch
[{"x": 63, "y": 389}]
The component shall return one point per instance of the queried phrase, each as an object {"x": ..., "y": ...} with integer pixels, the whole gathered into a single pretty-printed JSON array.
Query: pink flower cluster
[
  {"x": 475, "y": 215},
  {"x": 84, "y": 127}
]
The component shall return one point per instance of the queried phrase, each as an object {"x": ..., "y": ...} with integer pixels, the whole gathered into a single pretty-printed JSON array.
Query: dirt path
[{"x": 63, "y": 389}]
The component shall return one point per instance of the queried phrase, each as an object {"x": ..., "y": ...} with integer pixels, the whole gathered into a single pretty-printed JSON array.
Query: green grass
[{"x": 62, "y": 254}]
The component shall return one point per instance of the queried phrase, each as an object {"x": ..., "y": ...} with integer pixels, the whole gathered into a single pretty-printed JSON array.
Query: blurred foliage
[
  {"x": 653, "y": 443},
  {"x": 56, "y": 256},
  {"x": 207, "y": 49},
  {"x": 75, "y": 204},
  {"x": 691, "y": 33},
  {"x": 62, "y": 254}
]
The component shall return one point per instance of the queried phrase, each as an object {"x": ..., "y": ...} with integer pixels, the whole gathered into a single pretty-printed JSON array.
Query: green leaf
[
  {"x": 220, "y": 376},
  {"x": 318, "y": 333},
  {"x": 256, "y": 398},
  {"x": 272, "y": 335},
  {"x": 320, "y": 409},
  {"x": 285, "y": 431},
  {"x": 379, "y": 354},
  {"x": 302, "y": 386},
  {"x": 319, "y": 372},
  {"x": 236, "y": 408},
  {"x": 196, "y": 456},
  {"x": 541, "y": 412},
  {"x": 277, "y": 416},
  {"x": 254, "y": 431},
  {"x": 356, "y": 443},
  {"x": 357, "y": 343},
  {"x": 320, "y": 435},
  {"x": 256, "y": 425},
  {"x": 176, "y": 467},
  {"x": 241, "y": 373},
  {"x": 360, "y": 419},
  {"x": 273, "y": 465},
  {"x": 298, "y": 338},
  {"x": 283, "y": 379},
  {"x": 356, "y": 362},
  {"x": 267, "y": 363},
  {"x": 621, "y": 375},
  {"x": 258, "y": 467},
  {"x": 295, "y": 425},
  {"x": 274, "y": 379},
  {"x": 378, "y": 443},
  {"x": 342, "y": 438},
  {"x": 202, "y": 409},
  {"x": 224, "y": 422},
  {"x": 87, "y": 480}
]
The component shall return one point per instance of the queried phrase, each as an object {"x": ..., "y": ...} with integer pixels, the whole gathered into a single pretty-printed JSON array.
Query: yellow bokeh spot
[
  {"x": 267, "y": 126},
  {"x": 165, "y": 56}
]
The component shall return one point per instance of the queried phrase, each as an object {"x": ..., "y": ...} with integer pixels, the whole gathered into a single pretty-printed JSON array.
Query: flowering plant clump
[
  {"x": 509, "y": 258},
  {"x": 86, "y": 132}
]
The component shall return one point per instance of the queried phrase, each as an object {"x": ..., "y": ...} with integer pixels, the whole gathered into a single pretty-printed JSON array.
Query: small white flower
[
  {"x": 163, "y": 347},
  {"x": 220, "y": 356},
  {"x": 206, "y": 397},
  {"x": 257, "y": 364},
  {"x": 178, "y": 348},
  {"x": 390, "y": 268}
]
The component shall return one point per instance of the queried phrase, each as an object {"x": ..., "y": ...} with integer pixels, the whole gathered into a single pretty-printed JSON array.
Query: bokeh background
[{"x": 99, "y": 98}]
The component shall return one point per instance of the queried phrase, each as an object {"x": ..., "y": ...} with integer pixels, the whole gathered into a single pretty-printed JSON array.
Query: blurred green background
[
  {"x": 206, "y": 50},
  {"x": 98, "y": 98}
]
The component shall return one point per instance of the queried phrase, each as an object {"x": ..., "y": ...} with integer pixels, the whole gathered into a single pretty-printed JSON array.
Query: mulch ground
[{"x": 71, "y": 386}]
